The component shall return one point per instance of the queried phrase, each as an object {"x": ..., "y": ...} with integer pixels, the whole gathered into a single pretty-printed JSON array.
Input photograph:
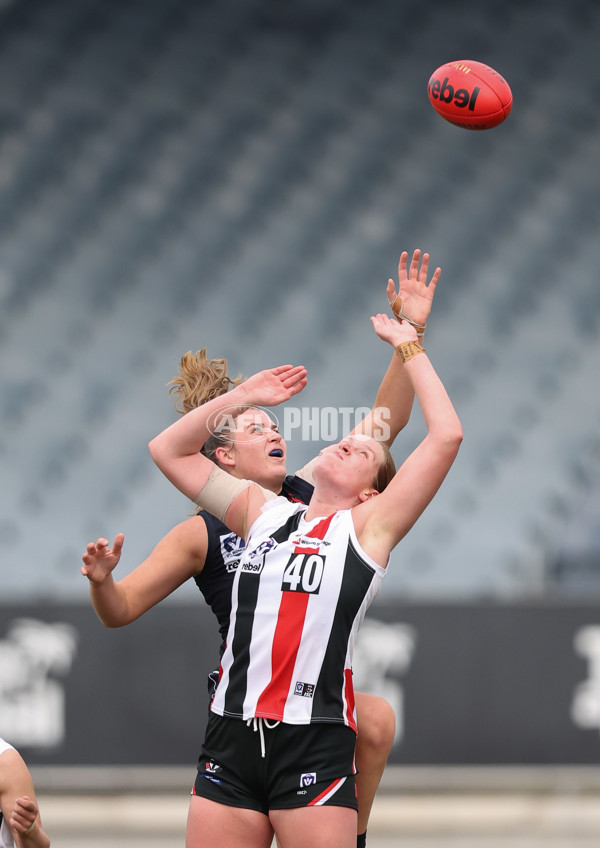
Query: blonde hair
[{"x": 199, "y": 380}]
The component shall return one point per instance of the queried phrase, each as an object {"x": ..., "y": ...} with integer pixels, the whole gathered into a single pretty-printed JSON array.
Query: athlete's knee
[{"x": 376, "y": 724}]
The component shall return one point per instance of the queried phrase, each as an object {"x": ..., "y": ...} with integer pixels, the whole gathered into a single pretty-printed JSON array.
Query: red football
[{"x": 470, "y": 94}]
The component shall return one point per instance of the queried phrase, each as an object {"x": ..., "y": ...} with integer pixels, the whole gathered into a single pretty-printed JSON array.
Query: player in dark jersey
[
  {"x": 204, "y": 549},
  {"x": 281, "y": 621},
  {"x": 224, "y": 552}
]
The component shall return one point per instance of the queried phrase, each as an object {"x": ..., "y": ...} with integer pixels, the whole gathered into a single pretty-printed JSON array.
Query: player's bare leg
[
  {"x": 376, "y": 729},
  {"x": 319, "y": 827},
  {"x": 210, "y": 824}
]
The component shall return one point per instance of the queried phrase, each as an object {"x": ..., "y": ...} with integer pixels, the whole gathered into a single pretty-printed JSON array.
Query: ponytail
[{"x": 199, "y": 380}]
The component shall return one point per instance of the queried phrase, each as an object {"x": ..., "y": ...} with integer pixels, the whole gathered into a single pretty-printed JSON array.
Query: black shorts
[{"x": 303, "y": 765}]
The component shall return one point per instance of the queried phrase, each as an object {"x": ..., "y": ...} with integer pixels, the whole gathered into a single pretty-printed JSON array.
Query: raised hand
[
  {"x": 99, "y": 560},
  {"x": 391, "y": 331},
  {"x": 414, "y": 296},
  {"x": 273, "y": 386}
]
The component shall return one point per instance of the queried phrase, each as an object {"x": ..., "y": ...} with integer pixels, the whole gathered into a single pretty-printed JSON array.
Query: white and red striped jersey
[{"x": 299, "y": 596}]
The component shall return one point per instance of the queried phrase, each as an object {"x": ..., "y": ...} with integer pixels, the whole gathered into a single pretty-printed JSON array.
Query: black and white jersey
[
  {"x": 224, "y": 552},
  {"x": 300, "y": 593}
]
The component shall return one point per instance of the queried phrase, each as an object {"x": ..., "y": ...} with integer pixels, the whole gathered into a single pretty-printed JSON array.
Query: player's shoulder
[
  {"x": 12, "y": 764},
  {"x": 274, "y": 514},
  {"x": 5, "y": 746},
  {"x": 214, "y": 525}
]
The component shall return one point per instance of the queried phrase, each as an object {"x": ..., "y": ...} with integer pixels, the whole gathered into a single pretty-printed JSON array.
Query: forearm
[
  {"x": 21, "y": 808},
  {"x": 38, "y": 838},
  {"x": 392, "y": 407},
  {"x": 176, "y": 451},
  {"x": 395, "y": 396},
  {"x": 187, "y": 435},
  {"x": 110, "y": 603},
  {"x": 438, "y": 411},
  {"x": 388, "y": 517}
]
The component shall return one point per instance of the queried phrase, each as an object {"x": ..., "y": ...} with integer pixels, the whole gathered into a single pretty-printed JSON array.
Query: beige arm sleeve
[{"x": 220, "y": 491}]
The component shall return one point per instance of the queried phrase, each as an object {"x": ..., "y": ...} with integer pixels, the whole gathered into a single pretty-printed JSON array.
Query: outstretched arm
[
  {"x": 394, "y": 400},
  {"x": 393, "y": 403},
  {"x": 382, "y": 521},
  {"x": 177, "y": 557},
  {"x": 176, "y": 450}
]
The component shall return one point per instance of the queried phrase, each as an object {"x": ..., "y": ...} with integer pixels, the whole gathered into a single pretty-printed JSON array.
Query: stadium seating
[{"x": 242, "y": 175}]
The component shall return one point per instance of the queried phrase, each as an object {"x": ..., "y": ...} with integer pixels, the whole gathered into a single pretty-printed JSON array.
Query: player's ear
[
  {"x": 367, "y": 494},
  {"x": 224, "y": 456}
]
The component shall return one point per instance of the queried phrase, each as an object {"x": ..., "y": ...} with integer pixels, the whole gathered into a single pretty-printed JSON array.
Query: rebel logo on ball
[
  {"x": 446, "y": 93},
  {"x": 470, "y": 94}
]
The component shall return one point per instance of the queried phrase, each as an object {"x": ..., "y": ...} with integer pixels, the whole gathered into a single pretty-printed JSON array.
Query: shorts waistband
[{"x": 259, "y": 724}]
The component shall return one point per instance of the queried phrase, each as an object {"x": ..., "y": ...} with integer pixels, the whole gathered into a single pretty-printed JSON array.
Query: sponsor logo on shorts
[
  {"x": 212, "y": 779},
  {"x": 305, "y": 690},
  {"x": 308, "y": 779}
]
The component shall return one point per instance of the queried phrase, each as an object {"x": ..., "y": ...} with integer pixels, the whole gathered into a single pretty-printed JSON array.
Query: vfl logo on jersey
[
  {"x": 254, "y": 559},
  {"x": 303, "y": 573},
  {"x": 308, "y": 779},
  {"x": 232, "y": 548},
  {"x": 305, "y": 690}
]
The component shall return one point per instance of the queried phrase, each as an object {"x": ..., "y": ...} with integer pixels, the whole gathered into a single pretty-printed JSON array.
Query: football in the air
[{"x": 470, "y": 95}]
